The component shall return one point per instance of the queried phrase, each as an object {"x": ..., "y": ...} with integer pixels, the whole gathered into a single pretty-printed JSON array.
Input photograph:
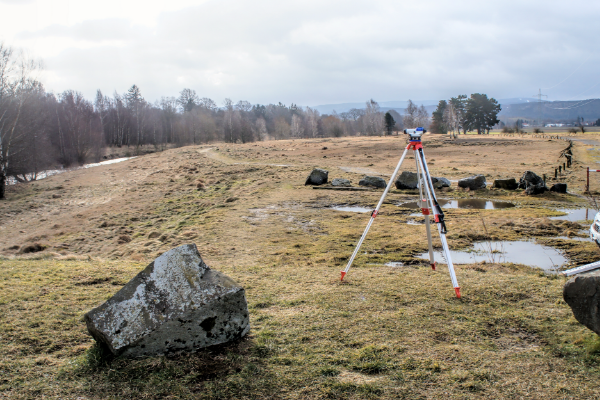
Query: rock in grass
[
  {"x": 582, "y": 294},
  {"x": 407, "y": 180},
  {"x": 177, "y": 304},
  {"x": 472, "y": 182},
  {"x": 507, "y": 184},
  {"x": 374, "y": 181},
  {"x": 559, "y": 188},
  {"x": 318, "y": 176},
  {"x": 340, "y": 182},
  {"x": 532, "y": 183},
  {"x": 440, "y": 182}
]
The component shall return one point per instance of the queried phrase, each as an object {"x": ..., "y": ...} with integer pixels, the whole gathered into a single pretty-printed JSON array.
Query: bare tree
[
  {"x": 17, "y": 87},
  {"x": 410, "y": 115},
  {"x": 422, "y": 117},
  {"x": 312, "y": 121},
  {"x": 373, "y": 118},
  {"x": 297, "y": 126},
  {"x": 188, "y": 99},
  {"x": 243, "y": 105}
]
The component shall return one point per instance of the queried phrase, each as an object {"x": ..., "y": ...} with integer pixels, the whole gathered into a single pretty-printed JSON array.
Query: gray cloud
[{"x": 315, "y": 52}]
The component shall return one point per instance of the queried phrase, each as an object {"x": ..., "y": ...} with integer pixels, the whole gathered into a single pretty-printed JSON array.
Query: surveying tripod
[{"x": 427, "y": 201}]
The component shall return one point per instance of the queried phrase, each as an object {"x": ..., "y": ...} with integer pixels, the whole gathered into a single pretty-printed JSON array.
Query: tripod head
[{"x": 415, "y": 134}]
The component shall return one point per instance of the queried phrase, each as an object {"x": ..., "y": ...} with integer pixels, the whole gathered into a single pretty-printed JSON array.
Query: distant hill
[
  {"x": 553, "y": 110},
  {"x": 517, "y": 107},
  {"x": 400, "y": 105}
]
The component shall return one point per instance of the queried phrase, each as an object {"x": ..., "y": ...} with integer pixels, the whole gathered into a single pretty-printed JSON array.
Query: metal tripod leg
[
  {"x": 436, "y": 213},
  {"x": 374, "y": 214},
  {"x": 425, "y": 210}
]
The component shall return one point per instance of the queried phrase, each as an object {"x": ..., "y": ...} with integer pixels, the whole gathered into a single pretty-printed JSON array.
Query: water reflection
[
  {"x": 478, "y": 204},
  {"x": 520, "y": 252}
]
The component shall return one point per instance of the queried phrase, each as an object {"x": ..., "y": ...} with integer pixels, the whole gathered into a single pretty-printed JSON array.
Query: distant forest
[{"x": 40, "y": 130}]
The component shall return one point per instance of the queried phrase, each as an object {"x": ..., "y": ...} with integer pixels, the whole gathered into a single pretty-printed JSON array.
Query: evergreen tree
[
  {"x": 437, "y": 124},
  {"x": 390, "y": 123}
]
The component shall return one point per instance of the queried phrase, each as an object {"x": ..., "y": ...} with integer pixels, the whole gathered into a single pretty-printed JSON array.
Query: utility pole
[{"x": 539, "y": 96}]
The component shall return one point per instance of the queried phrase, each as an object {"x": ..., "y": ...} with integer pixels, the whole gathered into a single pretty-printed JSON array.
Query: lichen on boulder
[{"x": 176, "y": 304}]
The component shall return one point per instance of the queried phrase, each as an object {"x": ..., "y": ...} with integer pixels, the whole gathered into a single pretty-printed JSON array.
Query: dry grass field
[{"x": 71, "y": 241}]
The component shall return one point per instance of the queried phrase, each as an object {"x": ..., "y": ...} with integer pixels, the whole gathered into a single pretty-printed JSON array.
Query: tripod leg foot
[
  {"x": 433, "y": 266},
  {"x": 343, "y": 275},
  {"x": 457, "y": 291}
]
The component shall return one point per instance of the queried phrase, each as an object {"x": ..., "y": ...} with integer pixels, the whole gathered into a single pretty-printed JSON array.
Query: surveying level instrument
[{"x": 427, "y": 201}]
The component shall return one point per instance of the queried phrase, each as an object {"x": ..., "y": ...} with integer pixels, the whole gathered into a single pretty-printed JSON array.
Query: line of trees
[
  {"x": 476, "y": 113},
  {"x": 41, "y": 130}
]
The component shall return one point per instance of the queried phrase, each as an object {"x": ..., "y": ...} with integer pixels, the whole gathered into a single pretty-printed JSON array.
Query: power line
[
  {"x": 568, "y": 76},
  {"x": 585, "y": 102}
]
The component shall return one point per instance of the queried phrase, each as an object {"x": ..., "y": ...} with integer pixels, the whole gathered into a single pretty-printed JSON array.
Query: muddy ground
[
  {"x": 231, "y": 199},
  {"x": 71, "y": 241}
]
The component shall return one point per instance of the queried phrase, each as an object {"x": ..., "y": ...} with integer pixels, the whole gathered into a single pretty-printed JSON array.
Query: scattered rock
[
  {"x": 582, "y": 294},
  {"x": 532, "y": 183},
  {"x": 439, "y": 183},
  {"x": 231, "y": 199},
  {"x": 559, "y": 188},
  {"x": 472, "y": 182},
  {"x": 373, "y": 181},
  {"x": 177, "y": 304},
  {"x": 507, "y": 184},
  {"x": 324, "y": 148},
  {"x": 407, "y": 180},
  {"x": 318, "y": 176},
  {"x": 56, "y": 196},
  {"x": 340, "y": 182},
  {"x": 153, "y": 235}
]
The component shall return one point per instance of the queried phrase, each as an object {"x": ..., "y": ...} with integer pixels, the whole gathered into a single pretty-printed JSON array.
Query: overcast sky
[{"x": 312, "y": 52}]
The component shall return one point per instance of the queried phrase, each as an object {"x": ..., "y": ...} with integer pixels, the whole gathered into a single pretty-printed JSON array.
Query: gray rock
[
  {"x": 582, "y": 294},
  {"x": 373, "y": 181},
  {"x": 440, "y": 182},
  {"x": 318, "y": 176},
  {"x": 530, "y": 178},
  {"x": 176, "y": 304},
  {"x": 508, "y": 184},
  {"x": 407, "y": 180},
  {"x": 472, "y": 182},
  {"x": 532, "y": 183},
  {"x": 559, "y": 188},
  {"x": 340, "y": 182}
]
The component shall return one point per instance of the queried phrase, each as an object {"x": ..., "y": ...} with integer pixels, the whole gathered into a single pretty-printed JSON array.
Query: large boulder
[
  {"x": 508, "y": 184},
  {"x": 176, "y": 304},
  {"x": 472, "y": 182},
  {"x": 532, "y": 183},
  {"x": 340, "y": 182},
  {"x": 373, "y": 181},
  {"x": 318, "y": 176},
  {"x": 582, "y": 294},
  {"x": 407, "y": 180},
  {"x": 559, "y": 188}
]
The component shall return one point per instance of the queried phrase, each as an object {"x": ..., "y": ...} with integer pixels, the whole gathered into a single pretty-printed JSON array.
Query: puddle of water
[
  {"x": 479, "y": 204},
  {"x": 577, "y": 238},
  {"x": 578, "y": 214},
  {"x": 520, "y": 252},
  {"x": 394, "y": 264},
  {"x": 352, "y": 209}
]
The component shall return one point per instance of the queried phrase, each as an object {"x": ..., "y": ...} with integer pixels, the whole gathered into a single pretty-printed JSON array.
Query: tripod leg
[
  {"x": 438, "y": 218},
  {"x": 425, "y": 210},
  {"x": 373, "y": 215}
]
